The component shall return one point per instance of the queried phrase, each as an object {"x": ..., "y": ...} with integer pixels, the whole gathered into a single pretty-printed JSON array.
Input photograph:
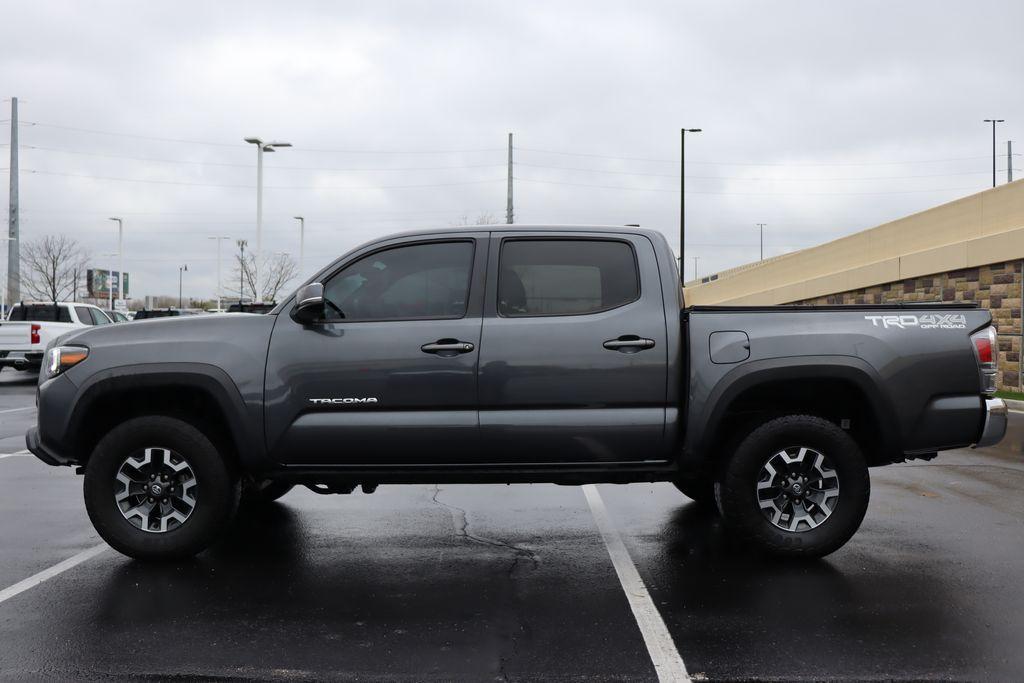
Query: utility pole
[
  {"x": 13, "y": 240},
  {"x": 302, "y": 241},
  {"x": 509, "y": 215},
  {"x": 695, "y": 277},
  {"x": 181, "y": 269},
  {"x": 219, "y": 281},
  {"x": 1009, "y": 161},
  {"x": 994, "y": 122},
  {"x": 761, "y": 225},
  {"x": 120, "y": 262},
  {"x": 682, "y": 192},
  {"x": 241, "y": 273}
]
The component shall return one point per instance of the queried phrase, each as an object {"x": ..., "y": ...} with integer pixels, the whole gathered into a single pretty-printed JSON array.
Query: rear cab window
[
  {"x": 40, "y": 313},
  {"x": 565, "y": 276}
]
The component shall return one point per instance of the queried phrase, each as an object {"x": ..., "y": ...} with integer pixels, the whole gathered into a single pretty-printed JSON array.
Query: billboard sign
[{"x": 98, "y": 283}]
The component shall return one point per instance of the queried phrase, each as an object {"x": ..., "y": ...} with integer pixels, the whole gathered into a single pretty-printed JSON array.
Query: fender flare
[
  {"x": 207, "y": 378},
  {"x": 749, "y": 375}
]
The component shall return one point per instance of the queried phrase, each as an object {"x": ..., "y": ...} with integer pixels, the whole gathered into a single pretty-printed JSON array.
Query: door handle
[
  {"x": 629, "y": 343},
  {"x": 447, "y": 347}
]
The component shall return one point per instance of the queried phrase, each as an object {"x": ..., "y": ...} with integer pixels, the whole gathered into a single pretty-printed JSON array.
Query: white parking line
[
  {"x": 16, "y": 410},
  {"x": 16, "y": 454},
  {"x": 46, "y": 574},
  {"x": 666, "y": 658}
]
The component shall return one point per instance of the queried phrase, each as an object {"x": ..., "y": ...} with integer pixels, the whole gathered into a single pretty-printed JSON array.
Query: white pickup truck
[{"x": 31, "y": 326}]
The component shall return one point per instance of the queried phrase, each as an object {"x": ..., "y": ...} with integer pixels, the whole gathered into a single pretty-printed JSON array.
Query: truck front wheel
[
  {"x": 156, "y": 488},
  {"x": 797, "y": 486}
]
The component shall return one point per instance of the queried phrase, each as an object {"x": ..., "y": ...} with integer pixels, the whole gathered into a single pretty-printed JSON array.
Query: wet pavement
[{"x": 515, "y": 583}]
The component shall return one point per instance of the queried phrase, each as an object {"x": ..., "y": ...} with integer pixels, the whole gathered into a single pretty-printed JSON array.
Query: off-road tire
[
  {"x": 700, "y": 490},
  {"x": 737, "y": 496},
  {"x": 216, "y": 494}
]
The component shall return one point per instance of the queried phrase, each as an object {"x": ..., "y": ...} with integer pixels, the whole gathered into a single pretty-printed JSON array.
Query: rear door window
[
  {"x": 99, "y": 317},
  {"x": 565, "y": 276}
]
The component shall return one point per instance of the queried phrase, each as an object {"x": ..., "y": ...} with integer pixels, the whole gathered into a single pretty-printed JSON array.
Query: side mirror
[{"x": 309, "y": 304}]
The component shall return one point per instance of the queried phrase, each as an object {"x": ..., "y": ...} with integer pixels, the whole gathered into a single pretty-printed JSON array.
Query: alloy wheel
[
  {"x": 797, "y": 489},
  {"x": 156, "y": 490}
]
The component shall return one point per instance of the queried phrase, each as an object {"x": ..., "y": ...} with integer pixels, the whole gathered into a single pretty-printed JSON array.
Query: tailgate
[{"x": 15, "y": 336}]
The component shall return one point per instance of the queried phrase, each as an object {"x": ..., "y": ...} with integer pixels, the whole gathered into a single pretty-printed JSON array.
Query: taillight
[
  {"x": 34, "y": 337},
  {"x": 986, "y": 351}
]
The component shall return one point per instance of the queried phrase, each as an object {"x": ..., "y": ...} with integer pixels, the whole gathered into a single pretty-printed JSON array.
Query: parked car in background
[
  {"x": 116, "y": 316},
  {"x": 251, "y": 308},
  {"x": 162, "y": 313},
  {"x": 30, "y": 326}
]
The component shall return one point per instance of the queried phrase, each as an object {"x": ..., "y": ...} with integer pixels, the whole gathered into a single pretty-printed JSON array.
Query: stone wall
[{"x": 996, "y": 287}]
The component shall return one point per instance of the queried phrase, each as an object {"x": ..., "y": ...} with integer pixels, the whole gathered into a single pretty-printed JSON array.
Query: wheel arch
[
  {"x": 203, "y": 395},
  {"x": 832, "y": 387}
]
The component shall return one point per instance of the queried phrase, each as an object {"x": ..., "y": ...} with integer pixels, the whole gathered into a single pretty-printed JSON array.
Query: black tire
[
  {"x": 267, "y": 491},
  {"x": 700, "y": 490},
  {"x": 216, "y": 493},
  {"x": 737, "y": 495}
]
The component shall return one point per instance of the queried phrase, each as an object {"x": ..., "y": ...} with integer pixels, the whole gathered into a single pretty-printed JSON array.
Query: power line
[
  {"x": 238, "y": 146},
  {"x": 249, "y": 165},
  {"x": 269, "y": 187},
  {"x": 794, "y": 180},
  {"x": 745, "y": 163},
  {"x": 748, "y": 194}
]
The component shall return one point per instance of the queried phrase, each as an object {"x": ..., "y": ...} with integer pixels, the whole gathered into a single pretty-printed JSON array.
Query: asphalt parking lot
[{"x": 516, "y": 583}]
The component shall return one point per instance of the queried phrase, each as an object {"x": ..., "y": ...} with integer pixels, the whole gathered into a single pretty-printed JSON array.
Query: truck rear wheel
[
  {"x": 156, "y": 488},
  {"x": 263, "y": 492},
  {"x": 796, "y": 486}
]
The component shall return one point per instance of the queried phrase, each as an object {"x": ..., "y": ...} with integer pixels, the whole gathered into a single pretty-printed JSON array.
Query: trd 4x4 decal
[{"x": 929, "y": 321}]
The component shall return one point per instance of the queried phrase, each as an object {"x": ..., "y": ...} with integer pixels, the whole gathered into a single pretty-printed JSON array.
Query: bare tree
[
  {"x": 50, "y": 266},
  {"x": 483, "y": 218},
  {"x": 276, "y": 272}
]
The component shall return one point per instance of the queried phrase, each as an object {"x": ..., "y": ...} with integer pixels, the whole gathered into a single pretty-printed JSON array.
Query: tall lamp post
[
  {"x": 120, "y": 261},
  {"x": 682, "y": 191},
  {"x": 994, "y": 122},
  {"x": 181, "y": 269},
  {"x": 261, "y": 147},
  {"x": 219, "y": 281},
  {"x": 242, "y": 244},
  {"x": 761, "y": 225}
]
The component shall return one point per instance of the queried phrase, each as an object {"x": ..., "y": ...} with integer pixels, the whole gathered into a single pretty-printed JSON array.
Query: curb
[{"x": 1015, "y": 406}]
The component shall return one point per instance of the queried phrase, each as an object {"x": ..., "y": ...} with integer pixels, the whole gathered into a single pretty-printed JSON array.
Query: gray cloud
[{"x": 806, "y": 108}]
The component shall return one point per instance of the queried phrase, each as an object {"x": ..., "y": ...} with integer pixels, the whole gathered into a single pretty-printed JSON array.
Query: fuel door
[{"x": 732, "y": 346}]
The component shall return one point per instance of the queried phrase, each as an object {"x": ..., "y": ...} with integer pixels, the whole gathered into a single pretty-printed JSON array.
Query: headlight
[{"x": 60, "y": 358}]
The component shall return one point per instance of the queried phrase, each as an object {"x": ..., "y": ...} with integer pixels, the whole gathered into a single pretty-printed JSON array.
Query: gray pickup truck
[{"x": 512, "y": 354}]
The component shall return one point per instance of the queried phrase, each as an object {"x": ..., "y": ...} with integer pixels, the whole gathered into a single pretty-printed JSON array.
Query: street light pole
[
  {"x": 761, "y": 225},
  {"x": 261, "y": 147},
  {"x": 302, "y": 241},
  {"x": 682, "y": 192},
  {"x": 241, "y": 272},
  {"x": 219, "y": 281},
  {"x": 695, "y": 277},
  {"x": 994, "y": 122},
  {"x": 120, "y": 261},
  {"x": 181, "y": 269}
]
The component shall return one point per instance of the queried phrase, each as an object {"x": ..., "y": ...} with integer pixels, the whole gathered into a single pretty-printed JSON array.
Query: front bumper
[
  {"x": 36, "y": 447},
  {"x": 995, "y": 423}
]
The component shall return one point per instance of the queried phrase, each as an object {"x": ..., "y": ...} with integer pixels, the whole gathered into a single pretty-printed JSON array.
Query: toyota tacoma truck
[{"x": 506, "y": 355}]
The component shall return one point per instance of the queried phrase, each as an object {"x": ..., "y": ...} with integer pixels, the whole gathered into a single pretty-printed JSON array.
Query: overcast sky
[{"x": 819, "y": 118}]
